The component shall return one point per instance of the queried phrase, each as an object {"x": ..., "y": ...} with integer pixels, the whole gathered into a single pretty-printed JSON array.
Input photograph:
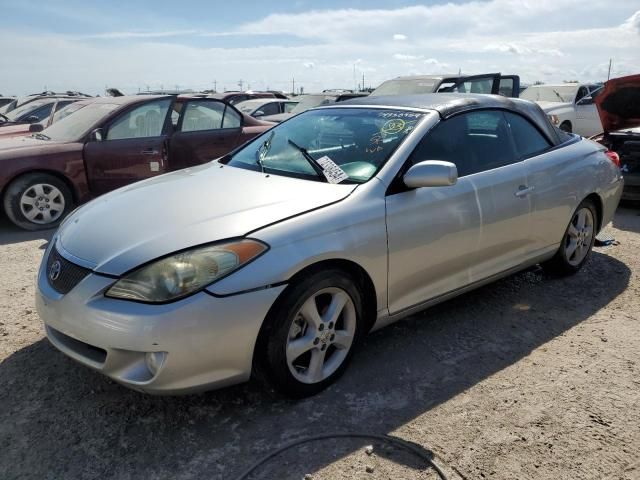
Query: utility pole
[
  {"x": 609, "y": 74},
  {"x": 240, "y": 83},
  {"x": 363, "y": 81},
  {"x": 355, "y": 85},
  {"x": 293, "y": 85},
  {"x": 215, "y": 85}
]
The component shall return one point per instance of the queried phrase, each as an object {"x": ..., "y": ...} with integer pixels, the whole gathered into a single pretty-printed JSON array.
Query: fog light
[{"x": 154, "y": 361}]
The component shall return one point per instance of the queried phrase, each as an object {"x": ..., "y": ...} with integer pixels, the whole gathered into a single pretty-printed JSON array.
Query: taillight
[{"x": 614, "y": 157}]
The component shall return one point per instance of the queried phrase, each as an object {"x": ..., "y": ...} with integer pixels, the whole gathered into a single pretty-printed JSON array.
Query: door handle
[
  {"x": 150, "y": 151},
  {"x": 523, "y": 191}
]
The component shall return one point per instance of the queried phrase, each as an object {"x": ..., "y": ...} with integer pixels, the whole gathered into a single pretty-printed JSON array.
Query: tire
[
  {"x": 577, "y": 242},
  {"x": 323, "y": 348},
  {"x": 566, "y": 127},
  {"x": 37, "y": 201}
]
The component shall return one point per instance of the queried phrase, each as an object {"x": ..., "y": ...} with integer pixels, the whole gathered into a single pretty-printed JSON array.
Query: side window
[
  {"x": 272, "y": 108},
  {"x": 144, "y": 121},
  {"x": 529, "y": 141},
  {"x": 63, "y": 103},
  {"x": 288, "y": 106},
  {"x": 202, "y": 115},
  {"x": 506, "y": 87},
  {"x": 232, "y": 119},
  {"x": 474, "y": 142},
  {"x": 478, "y": 85},
  {"x": 582, "y": 92}
]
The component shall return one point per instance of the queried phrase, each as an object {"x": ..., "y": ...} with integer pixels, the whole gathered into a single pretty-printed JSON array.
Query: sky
[{"x": 202, "y": 44}]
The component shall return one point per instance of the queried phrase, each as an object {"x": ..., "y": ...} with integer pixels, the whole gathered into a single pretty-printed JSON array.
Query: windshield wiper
[
  {"x": 41, "y": 136},
  {"x": 4, "y": 117},
  {"x": 312, "y": 161},
  {"x": 263, "y": 150},
  {"x": 558, "y": 95}
]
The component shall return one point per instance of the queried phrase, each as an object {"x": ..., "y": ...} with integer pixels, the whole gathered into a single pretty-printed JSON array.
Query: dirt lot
[{"x": 531, "y": 377}]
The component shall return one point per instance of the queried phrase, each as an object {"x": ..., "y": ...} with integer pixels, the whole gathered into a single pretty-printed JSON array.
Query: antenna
[{"x": 609, "y": 74}]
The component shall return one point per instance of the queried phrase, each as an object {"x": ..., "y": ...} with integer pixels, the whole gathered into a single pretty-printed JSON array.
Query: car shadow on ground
[
  {"x": 9, "y": 233},
  {"x": 61, "y": 420}
]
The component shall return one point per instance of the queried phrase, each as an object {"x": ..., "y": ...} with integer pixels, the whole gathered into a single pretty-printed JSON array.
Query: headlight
[
  {"x": 186, "y": 272},
  {"x": 554, "y": 119}
]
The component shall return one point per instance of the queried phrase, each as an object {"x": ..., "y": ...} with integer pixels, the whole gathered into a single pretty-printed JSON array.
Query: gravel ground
[{"x": 531, "y": 377}]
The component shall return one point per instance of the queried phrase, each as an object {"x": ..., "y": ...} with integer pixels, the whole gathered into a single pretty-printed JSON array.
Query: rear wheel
[
  {"x": 37, "y": 201},
  {"x": 311, "y": 333},
  {"x": 577, "y": 242}
]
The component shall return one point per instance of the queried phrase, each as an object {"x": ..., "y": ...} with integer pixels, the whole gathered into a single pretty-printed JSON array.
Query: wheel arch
[
  {"x": 599, "y": 204},
  {"x": 54, "y": 173},
  {"x": 351, "y": 268}
]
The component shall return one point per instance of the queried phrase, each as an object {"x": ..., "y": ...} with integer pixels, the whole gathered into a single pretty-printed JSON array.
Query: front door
[
  {"x": 133, "y": 147},
  {"x": 207, "y": 129},
  {"x": 444, "y": 238}
]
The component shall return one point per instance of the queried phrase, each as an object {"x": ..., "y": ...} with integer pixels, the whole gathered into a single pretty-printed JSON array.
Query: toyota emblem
[{"x": 54, "y": 270}]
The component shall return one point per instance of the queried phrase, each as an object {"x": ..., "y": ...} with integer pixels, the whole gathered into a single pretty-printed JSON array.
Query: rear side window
[
  {"x": 206, "y": 115},
  {"x": 474, "y": 142},
  {"x": 528, "y": 140}
]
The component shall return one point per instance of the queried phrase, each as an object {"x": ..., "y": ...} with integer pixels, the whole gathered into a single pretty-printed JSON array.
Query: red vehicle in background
[
  {"x": 619, "y": 110},
  {"x": 109, "y": 143}
]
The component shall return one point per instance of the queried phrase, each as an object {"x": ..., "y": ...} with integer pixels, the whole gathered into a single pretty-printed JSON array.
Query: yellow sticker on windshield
[{"x": 393, "y": 126}]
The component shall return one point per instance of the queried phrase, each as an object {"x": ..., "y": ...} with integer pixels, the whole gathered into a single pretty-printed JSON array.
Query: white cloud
[
  {"x": 402, "y": 56},
  {"x": 549, "y": 40}
]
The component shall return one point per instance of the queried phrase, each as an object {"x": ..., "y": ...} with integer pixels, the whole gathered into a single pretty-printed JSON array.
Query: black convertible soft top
[{"x": 450, "y": 104}]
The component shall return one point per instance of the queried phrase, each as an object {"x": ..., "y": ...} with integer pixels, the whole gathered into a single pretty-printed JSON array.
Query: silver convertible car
[{"x": 277, "y": 259}]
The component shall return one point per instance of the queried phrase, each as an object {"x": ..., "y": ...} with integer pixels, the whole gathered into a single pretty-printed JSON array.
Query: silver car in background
[{"x": 277, "y": 259}]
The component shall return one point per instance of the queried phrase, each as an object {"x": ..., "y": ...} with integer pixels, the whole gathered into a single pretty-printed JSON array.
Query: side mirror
[
  {"x": 35, "y": 127},
  {"x": 32, "y": 119},
  {"x": 586, "y": 101},
  {"x": 431, "y": 173},
  {"x": 257, "y": 114},
  {"x": 96, "y": 135}
]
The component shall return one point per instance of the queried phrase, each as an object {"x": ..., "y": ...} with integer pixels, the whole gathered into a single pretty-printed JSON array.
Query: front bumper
[{"x": 208, "y": 341}]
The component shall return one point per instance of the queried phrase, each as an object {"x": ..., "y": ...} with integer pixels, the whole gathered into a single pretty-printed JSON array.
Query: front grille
[{"x": 62, "y": 274}]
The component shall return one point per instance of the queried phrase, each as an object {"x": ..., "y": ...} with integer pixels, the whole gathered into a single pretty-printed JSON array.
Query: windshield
[
  {"x": 73, "y": 127},
  {"x": 407, "y": 86},
  {"x": 13, "y": 115},
  {"x": 338, "y": 145},
  {"x": 311, "y": 101},
  {"x": 550, "y": 93}
]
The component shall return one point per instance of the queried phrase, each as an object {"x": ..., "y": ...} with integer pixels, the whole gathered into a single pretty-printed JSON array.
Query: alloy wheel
[
  {"x": 579, "y": 236},
  {"x": 42, "y": 203},
  {"x": 321, "y": 335}
]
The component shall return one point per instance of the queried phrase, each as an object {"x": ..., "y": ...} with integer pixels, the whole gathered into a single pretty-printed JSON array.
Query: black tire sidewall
[
  {"x": 278, "y": 323},
  {"x": 17, "y": 187}
]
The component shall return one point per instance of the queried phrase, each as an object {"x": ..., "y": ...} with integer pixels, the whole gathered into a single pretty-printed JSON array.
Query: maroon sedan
[{"x": 109, "y": 143}]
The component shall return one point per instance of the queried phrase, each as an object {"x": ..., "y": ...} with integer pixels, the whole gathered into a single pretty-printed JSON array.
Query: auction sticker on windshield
[{"x": 331, "y": 170}]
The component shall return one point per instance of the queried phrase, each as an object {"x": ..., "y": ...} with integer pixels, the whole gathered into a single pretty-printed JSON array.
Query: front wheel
[
  {"x": 577, "y": 242},
  {"x": 311, "y": 333},
  {"x": 37, "y": 201}
]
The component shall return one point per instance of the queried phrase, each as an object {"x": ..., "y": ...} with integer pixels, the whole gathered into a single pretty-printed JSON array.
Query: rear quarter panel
[{"x": 563, "y": 178}]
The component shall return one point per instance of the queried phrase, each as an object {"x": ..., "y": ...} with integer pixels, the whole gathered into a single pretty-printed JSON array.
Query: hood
[
  {"x": 11, "y": 146},
  {"x": 14, "y": 130},
  {"x": 280, "y": 117},
  {"x": 133, "y": 225},
  {"x": 550, "y": 107},
  {"x": 619, "y": 104}
]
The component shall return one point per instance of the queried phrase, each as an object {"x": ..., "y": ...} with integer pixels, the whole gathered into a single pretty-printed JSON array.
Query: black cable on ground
[{"x": 398, "y": 442}]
